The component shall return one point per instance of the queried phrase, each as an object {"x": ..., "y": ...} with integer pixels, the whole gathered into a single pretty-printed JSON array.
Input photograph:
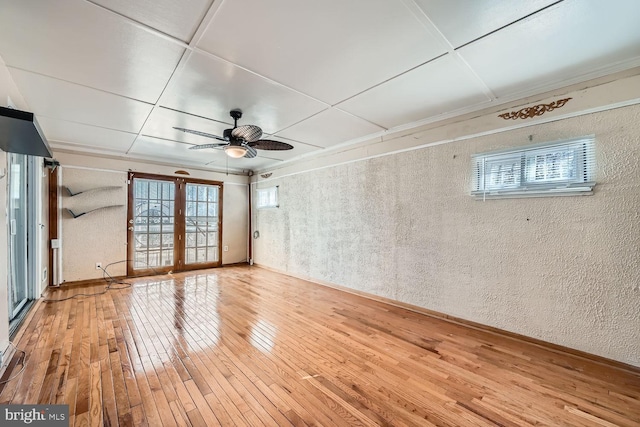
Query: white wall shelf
[
  {"x": 76, "y": 215},
  {"x": 88, "y": 192},
  {"x": 92, "y": 190}
]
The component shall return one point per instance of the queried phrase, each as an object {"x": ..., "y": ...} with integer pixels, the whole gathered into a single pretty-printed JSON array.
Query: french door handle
[{"x": 130, "y": 228}]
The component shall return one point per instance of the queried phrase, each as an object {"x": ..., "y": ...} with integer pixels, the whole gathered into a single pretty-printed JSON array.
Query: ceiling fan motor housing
[{"x": 235, "y": 114}]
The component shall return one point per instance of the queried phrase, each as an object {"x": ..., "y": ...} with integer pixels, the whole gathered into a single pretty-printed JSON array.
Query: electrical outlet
[
  {"x": 226, "y": 248},
  {"x": 98, "y": 266}
]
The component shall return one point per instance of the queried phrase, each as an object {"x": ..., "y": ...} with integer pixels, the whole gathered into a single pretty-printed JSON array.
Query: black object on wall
[{"x": 20, "y": 133}]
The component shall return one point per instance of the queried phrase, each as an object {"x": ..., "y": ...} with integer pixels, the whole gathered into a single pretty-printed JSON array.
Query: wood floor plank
[
  {"x": 110, "y": 411},
  {"x": 95, "y": 395},
  {"x": 48, "y": 384},
  {"x": 243, "y": 346}
]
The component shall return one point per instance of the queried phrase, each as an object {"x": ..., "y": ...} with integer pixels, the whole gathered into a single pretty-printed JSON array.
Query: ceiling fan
[{"x": 241, "y": 141}]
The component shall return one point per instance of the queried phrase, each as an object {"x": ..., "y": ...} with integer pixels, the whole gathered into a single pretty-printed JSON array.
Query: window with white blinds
[
  {"x": 556, "y": 168},
  {"x": 267, "y": 197}
]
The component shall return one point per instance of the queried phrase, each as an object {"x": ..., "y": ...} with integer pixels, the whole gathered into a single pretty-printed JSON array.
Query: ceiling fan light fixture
[{"x": 235, "y": 151}]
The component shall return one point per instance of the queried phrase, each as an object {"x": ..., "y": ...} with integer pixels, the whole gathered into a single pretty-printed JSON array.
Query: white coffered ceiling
[{"x": 114, "y": 77}]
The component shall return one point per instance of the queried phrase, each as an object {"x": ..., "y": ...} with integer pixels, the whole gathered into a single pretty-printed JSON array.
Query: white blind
[
  {"x": 267, "y": 197},
  {"x": 562, "y": 167}
]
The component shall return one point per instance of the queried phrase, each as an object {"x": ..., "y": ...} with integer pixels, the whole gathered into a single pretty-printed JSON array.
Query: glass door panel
[
  {"x": 202, "y": 224},
  {"x": 18, "y": 234},
  {"x": 153, "y": 224}
]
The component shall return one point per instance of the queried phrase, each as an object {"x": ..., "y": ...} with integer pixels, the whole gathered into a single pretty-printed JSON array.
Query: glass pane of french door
[
  {"x": 201, "y": 223},
  {"x": 153, "y": 224},
  {"x": 18, "y": 233}
]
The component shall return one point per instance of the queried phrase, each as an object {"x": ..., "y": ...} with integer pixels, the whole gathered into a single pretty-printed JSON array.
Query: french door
[{"x": 174, "y": 224}]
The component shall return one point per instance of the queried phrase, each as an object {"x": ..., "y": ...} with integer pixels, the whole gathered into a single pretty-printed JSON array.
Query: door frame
[{"x": 179, "y": 227}]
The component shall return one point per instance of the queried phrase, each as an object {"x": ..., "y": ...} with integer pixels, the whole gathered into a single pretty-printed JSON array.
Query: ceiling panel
[
  {"x": 563, "y": 42},
  {"x": 210, "y": 87},
  {"x": 77, "y": 41},
  {"x": 462, "y": 21},
  {"x": 330, "y": 127},
  {"x": 162, "y": 121},
  {"x": 179, "y": 19},
  {"x": 89, "y": 136},
  {"x": 328, "y": 49},
  {"x": 299, "y": 149},
  {"x": 160, "y": 148},
  {"x": 58, "y": 99},
  {"x": 256, "y": 163},
  {"x": 439, "y": 87}
]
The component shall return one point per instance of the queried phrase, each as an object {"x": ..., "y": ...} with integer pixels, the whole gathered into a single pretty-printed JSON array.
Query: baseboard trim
[
  {"x": 236, "y": 264},
  {"x": 557, "y": 348},
  {"x": 88, "y": 282}
]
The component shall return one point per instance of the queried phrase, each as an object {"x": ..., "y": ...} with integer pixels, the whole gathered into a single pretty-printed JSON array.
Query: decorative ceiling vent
[{"x": 536, "y": 110}]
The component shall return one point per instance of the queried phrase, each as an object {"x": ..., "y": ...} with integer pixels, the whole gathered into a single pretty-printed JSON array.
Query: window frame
[{"x": 582, "y": 162}]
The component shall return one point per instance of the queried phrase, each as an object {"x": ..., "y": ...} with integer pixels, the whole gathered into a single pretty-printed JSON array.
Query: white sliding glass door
[{"x": 22, "y": 231}]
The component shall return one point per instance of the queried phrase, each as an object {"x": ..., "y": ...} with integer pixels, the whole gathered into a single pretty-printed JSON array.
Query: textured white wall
[
  {"x": 403, "y": 226},
  {"x": 235, "y": 217},
  {"x": 98, "y": 236}
]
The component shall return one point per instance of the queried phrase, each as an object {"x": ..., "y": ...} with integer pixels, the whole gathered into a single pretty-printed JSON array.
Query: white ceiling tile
[
  {"x": 77, "y": 41},
  {"x": 155, "y": 148},
  {"x": 210, "y": 87},
  {"x": 66, "y": 101},
  {"x": 84, "y": 135},
  {"x": 462, "y": 21},
  {"x": 330, "y": 127},
  {"x": 329, "y": 49},
  {"x": 179, "y": 19},
  {"x": 299, "y": 149},
  {"x": 442, "y": 86},
  {"x": 162, "y": 121},
  {"x": 256, "y": 163},
  {"x": 566, "y": 41}
]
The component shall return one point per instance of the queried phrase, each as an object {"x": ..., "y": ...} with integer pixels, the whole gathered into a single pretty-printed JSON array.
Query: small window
[
  {"x": 267, "y": 198},
  {"x": 557, "y": 168}
]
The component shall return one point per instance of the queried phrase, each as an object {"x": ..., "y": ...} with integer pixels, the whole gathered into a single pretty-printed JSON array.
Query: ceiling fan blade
[
  {"x": 269, "y": 144},
  {"x": 251, "y": 152},
  {"x": 249, "y": 133},
  {"x": 203, "y": 146},
  {"x": 197, "y": 132}
]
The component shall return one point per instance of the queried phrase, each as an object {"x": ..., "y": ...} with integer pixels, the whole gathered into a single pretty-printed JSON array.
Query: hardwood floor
[{"x": 243, "y": 346}]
